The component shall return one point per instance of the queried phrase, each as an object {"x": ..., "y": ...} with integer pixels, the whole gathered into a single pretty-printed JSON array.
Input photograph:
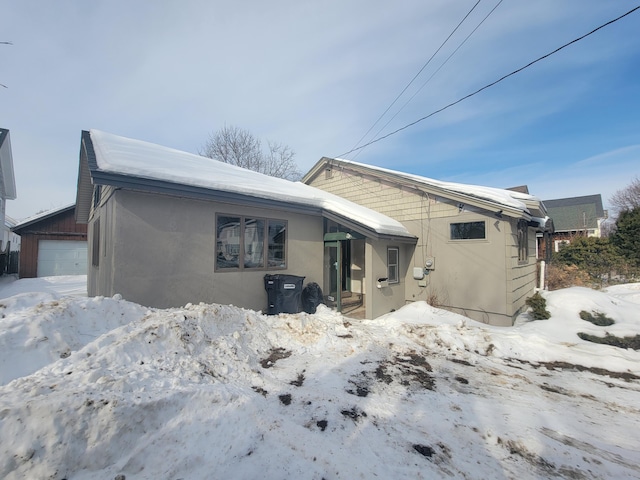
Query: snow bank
[{"x": 213, "y": 391}]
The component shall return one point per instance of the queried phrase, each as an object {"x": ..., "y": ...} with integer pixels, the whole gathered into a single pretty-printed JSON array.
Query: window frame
[
  {"x": 522, "y": 235},
  {"x": 484, "y": 238},
  {"x": 390, "y": 278},
  {"x": 95, "y": 244},
  {"x": 267, "y": 246}
]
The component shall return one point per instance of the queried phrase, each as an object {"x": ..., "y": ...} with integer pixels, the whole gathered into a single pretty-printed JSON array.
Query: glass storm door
[{"x": 333, "y": 274}]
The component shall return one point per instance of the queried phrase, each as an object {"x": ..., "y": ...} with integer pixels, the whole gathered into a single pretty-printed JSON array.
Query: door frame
[{"x": 342, "y": 265}]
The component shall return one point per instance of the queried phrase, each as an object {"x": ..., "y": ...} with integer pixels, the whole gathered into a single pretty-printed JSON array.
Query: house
[
  {"x": 12, "y": 242},
  {"x": 52, "y": 243},
  {"x": 166, "y": 228},
  {"x": 7, "y": 182},
  {"x": 7, "y": 192},
  {"x": 574, "y": 217},
  {"x": 475, "y": 253}
]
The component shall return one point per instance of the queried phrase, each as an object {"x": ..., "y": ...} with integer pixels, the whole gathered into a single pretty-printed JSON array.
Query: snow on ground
[{"x": 103, "y": 388}]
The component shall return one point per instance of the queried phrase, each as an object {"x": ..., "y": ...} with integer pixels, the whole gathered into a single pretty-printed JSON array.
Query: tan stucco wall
[
  {"x": 481, "y": 279},
  {"x": 380, "y": 301},
  {"x": 160, "y": 250}
]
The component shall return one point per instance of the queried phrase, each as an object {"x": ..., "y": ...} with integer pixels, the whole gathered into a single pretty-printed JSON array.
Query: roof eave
[
  {"x": 38, "y": 218},
  {"x": 493, "y": 207}
]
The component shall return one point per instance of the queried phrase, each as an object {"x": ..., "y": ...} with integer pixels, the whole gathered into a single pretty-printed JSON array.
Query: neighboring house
[
  {"x": 574, "y": 217},
  {"x": 168, "y": 228},
  {"x": 9, "y": 263},
  {"x": 476, "y": 245},
  {"x": 12, "y": 238},
  {"x": 52, "y": 244},
  {"x": 7, "y": 182}
]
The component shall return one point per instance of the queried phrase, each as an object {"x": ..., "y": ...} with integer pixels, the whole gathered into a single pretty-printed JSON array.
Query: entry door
[{"x": 333, "y": 274}]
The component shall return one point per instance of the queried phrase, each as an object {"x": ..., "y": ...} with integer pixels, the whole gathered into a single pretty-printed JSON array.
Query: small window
[
  {"x": 250, "y": 243},
  {"x": 468, "y": 231},
  {"x": 97, "y": 192},
  {"x": 523, "y": 241},
  {"x": 393, "y": 255},
  {"x": 95, "y": 245}
]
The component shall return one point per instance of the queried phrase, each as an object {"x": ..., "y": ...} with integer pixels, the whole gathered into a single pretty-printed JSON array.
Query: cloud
[{"x": 312, "y": 75}]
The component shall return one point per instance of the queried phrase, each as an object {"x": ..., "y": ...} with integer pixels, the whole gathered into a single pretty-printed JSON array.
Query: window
[
  {"x": 468, "y": 231},
  {"x": 97, "y": 192},
  {"x": 250, "y": 243},
  {"x": 523, "y": 241},
  {"x": 95, "y": 248},
  {"x": 393, "y": 256}
]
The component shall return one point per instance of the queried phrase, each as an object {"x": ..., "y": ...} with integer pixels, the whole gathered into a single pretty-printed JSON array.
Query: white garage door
[{"x": 62, "y": 257}]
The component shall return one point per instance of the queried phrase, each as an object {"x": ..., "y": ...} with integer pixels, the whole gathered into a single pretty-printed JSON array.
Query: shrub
[
  {"x": 564, "y": 276},
  {"x": 538, "y": 306},
  {"x": 597, "y": 318},
  {"x": 596, "y": 256},
  {"x": 621, "y": 342}
]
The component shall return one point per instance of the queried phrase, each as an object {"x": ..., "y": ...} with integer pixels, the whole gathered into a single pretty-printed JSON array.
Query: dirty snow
[{"x": 104, "y": 388}]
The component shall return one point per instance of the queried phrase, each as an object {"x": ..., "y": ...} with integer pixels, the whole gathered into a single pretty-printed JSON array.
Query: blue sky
[{"x": 317, "y": 75}]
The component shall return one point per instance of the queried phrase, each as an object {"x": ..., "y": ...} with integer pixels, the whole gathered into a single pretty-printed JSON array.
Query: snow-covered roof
[
  {"x": 147, "y": 161},
  {"x": 41, "y": 216},
  {"x": 502, "y": 197}
]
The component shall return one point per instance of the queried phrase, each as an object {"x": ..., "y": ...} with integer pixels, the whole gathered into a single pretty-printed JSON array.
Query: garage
[
  {"x": 62, "y": 257},
  {"x": 52, "y": 243}
]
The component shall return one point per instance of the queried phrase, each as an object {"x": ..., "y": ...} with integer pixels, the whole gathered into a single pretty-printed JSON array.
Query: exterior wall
[
  {"x": 58, "y": 227},
  {"x": 481, "y": 279},
  {"x": 159, "y": 251},
  {"x": 521, "y": 276},
  {"x": 379, "y": 301}
]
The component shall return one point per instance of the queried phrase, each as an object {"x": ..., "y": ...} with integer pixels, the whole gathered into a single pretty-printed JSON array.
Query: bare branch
[
  {"x": 628, "y": 198},
  {"x": 239, "y": 147}
]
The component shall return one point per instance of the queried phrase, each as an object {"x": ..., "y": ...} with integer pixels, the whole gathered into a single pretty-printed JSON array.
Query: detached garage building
[{"x": 52, "y": 243}]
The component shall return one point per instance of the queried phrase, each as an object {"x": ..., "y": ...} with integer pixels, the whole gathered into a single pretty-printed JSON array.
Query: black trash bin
[{"x": 283, "y": 293}]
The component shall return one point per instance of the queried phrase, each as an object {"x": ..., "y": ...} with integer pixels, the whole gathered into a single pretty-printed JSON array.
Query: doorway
[{"x": 338, "y": 271}]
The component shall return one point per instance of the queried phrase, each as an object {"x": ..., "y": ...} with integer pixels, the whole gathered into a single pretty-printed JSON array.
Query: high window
[
  {"x": 95, "y": 246},
  {"x": 523, "y": 241},
  {"x": 393, "y": 257},
  {"x": 468, "y": 231},
  {"x": 250, "y": 243}
]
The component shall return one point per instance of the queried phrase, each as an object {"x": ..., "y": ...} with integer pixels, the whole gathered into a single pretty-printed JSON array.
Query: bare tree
[
  {"x": 628, "y": 198},
  {"x": 240, "y": 147}
]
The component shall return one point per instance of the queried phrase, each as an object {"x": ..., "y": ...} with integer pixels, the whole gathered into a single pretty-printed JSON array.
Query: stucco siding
[
  {"x": 161, "y": 250},
  {"x": 389, "y": 297}
]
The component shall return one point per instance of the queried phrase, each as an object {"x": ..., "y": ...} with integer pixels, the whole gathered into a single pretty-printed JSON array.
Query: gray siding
[
  {"x": 481, "y": 279},
  {"x": 160, "y": 250}
]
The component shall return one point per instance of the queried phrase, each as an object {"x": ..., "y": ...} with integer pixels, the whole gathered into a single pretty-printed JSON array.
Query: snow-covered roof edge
[
  {"x": 507, "y": 198},
  {"x": 144, "y": 164},
  {"x": 42, "y": 216}
]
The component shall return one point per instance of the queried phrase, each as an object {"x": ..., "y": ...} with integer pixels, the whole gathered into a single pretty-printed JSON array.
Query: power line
[
  {"x": 437, "y": 70},
  {"x": 490, "y": 84},
  {"x": 415, "y": 76}
]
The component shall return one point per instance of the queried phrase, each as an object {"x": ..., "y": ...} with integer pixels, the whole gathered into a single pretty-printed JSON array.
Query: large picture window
[
  {"x": 250, "y": 243},
  {"x": 468, "y": 231}
]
